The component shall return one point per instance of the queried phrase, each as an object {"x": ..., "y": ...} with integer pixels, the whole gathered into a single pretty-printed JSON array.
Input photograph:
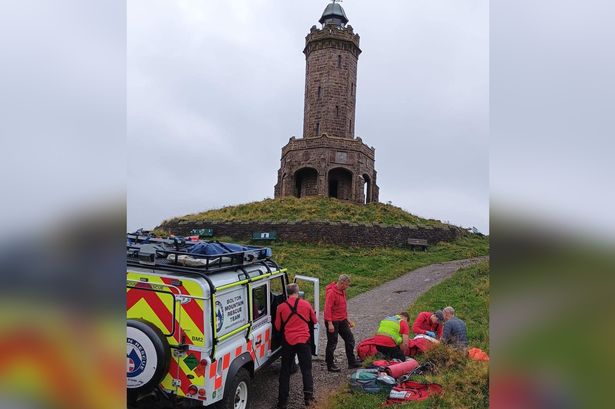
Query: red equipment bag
[
  {"x": 477, "y": 354},
  {"x": 401, "y": 368},
  {"x": 366, "y": 348},
  {"x": 412, "y": 391}
]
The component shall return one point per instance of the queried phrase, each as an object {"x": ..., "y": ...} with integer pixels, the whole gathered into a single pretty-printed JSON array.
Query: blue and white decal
[
  {"x": 219, "y": 316},
  {"x": 141, "y": 358}
]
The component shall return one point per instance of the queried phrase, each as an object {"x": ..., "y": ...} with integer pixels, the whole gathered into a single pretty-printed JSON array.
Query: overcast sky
[{"x": 215, "y": 89}]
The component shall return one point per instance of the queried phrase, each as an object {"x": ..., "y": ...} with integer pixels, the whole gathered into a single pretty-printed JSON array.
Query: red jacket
[
  {"x": 335, "y": 303},
  {"x": 423, "y": 323},
  {"x": 296, "y": 330}
]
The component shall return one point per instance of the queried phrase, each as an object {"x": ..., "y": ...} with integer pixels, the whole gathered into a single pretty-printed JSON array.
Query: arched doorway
[
  {"x": 367, "y": 188},
  {"x": 339, "y": 183},
  {"x": 306, "y": 181}
]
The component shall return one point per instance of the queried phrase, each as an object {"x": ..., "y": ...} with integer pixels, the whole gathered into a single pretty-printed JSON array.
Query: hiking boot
[
  {"x": 333, "y": 368},
  {"x": 354, "y": 365},
  {"x": 309, "y": 398}
]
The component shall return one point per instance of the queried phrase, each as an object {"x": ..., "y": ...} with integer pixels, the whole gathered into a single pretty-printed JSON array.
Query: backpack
[{"x": 367, "y": 380}]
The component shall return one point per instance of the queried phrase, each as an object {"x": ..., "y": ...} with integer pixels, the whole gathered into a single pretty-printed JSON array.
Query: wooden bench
[
  {"x": 420, "y": 243},
  {"x": 264, "y": 235}
]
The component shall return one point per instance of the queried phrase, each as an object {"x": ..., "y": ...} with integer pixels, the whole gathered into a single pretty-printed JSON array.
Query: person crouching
[{"x": 391, "y": 339}]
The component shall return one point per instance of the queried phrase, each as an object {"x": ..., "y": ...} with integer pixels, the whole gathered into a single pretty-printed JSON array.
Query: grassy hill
[
  {"x": 465, "y": 383},
  {"x": 313, "y": 209},
  {"x": 368, "y": 267}
]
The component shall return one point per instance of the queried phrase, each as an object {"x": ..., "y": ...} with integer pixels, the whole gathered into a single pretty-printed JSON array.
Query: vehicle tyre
[
  {"x": 238, "y": 392},
  {"x": 148, "y": 356}
]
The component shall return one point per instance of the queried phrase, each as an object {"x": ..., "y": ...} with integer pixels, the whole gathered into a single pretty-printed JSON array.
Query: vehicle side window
[
  {"x": 259, "y": 302},
  {"x": 277, "y": 286}
]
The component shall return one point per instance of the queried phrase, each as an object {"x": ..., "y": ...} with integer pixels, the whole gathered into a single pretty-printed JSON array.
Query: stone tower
[{"x": 329, "y": 161}]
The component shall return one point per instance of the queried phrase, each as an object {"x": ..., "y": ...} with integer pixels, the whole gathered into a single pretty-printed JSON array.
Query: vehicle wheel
[
  {"x": 238, "y": 392},
  {"x": 148, "y": 356}
]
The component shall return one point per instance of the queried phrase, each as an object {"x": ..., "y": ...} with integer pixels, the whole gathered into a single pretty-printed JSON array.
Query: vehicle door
[
  {"x": 309, "y": 289},
  {"x": 277, "y": 290},
  {"x": 260, "y": 316}
]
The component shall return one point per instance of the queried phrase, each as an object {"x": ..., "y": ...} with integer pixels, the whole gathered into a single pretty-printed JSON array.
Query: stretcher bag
[{"x": 412, "y": 391}]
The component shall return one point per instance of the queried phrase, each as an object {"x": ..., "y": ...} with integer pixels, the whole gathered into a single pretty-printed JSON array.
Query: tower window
[
  {"x": 350, "y": 126},
  {"x": 317, "y": 128},
  {"x": 352, "y": 89},
  {"x": 339, "y": 61},
  {"x": 319, "y": 92},
  {"x": 337, "y": 111}
]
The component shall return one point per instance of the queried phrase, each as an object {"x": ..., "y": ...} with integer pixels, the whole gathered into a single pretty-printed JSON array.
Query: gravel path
[{"x": 366, "y": 310}]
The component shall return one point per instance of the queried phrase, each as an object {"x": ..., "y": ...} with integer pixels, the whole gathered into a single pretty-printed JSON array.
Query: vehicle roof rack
[{"x": 145, "y": 250}]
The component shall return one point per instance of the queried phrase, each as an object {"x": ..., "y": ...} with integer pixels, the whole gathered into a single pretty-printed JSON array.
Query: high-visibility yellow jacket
[{"x": 390, "y": 326}]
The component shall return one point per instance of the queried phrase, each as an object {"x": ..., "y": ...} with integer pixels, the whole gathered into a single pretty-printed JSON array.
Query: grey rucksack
[{"x": 371, "y": 381}]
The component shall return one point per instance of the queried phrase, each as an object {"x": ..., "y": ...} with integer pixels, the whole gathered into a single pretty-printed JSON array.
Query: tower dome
[{"x": 334, "y": 14}]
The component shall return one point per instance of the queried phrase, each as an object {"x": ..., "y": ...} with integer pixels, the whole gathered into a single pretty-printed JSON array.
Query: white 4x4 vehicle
[{"x": 200, "y": 318}]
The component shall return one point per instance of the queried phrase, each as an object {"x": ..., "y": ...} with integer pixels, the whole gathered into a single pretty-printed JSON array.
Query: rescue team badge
[
  {"x": 219, "y": 315},
  {"x": 136, "y": 358}
]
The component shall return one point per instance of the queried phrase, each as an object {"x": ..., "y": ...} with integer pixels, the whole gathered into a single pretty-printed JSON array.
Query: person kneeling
[{"x": 391, "y": 339}]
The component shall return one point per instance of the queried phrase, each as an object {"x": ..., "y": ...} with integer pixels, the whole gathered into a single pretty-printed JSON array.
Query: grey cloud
[{"x": 221, "y": 95}]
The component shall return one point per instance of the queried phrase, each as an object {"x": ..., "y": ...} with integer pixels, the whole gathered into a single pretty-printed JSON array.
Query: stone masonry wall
[
  {"x": 327, "y": 155},
  {"x": 330, "y": 82},
  {"x": 342, "y": 233}
]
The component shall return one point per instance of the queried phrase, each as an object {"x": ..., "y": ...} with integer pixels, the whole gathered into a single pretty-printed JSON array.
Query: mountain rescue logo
[
  {"x": 219, "y": 316},
  {"x": 136, "y": 358}
]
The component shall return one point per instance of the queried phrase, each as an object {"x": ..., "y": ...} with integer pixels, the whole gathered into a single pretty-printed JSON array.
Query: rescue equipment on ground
[
  {"x": 412, "y": 391},
  {"x": 371, "y": 381},
  {"x": 398, "y": 369},
  {"x": 394, "y": 377},
  {"x": 477, "y": 354}
]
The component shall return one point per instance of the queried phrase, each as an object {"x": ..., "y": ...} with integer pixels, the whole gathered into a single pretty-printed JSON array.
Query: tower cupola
[{"x": 334, "y": 14}]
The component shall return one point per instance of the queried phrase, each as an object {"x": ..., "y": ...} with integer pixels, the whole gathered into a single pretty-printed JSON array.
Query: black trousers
[
  {"x": 391, "y": 352},
  {"x": 343, "y": 329},
  {"x": 304, "y": 353}
]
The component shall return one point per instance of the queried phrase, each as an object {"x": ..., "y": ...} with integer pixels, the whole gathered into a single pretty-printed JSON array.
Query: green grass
[
  {"x": 367, "y": 267},
  {"x": 313, "y": 209},
  {"x": 465, "y": 383}
]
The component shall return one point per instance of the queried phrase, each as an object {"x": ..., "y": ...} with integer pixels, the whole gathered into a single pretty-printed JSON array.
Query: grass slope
[
  {"x": 368, "y": 267},
  {"x": 313, "y": 209},
  {"x": 465, "y": 383}
]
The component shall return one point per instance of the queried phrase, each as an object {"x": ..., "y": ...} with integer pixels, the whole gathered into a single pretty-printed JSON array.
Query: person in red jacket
[
  {"x": 429, "y": 323},
  {"x": 292, "y": 319},
  {"x": 336, "y": 321}
]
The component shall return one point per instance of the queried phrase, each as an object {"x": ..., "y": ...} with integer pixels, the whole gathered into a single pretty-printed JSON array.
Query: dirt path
[{"x": 366, "y": 310}]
